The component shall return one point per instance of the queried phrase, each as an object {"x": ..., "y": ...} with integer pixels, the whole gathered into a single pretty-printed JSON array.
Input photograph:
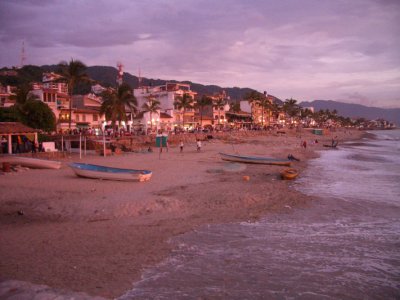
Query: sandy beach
[{"x": 96, "y": 237}]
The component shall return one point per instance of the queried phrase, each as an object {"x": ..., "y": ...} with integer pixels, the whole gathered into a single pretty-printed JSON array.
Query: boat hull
[
  {"x": 34, "y": 163},
  {"x": 109, "y": 173},
  {"x": 255, "y": 159},
  {"x": 289, "y": 174}
]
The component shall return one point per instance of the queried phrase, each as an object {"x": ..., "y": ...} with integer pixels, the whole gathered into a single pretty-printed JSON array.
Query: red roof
[{"x": 15, "y": 128}]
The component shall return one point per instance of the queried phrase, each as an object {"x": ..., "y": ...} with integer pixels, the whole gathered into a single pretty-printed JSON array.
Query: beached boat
[
  {"x": 332, "y": 145},
  {"x": 289, "y": 174},
  {"x": 109, "y": 173},
  {"x": 29, "y": 162},
  {"x": 255, "y": 159}
]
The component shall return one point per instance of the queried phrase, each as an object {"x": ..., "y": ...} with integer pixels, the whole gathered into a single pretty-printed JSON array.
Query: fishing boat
[
  {"x": 29, "y": 162},
  {"x": 289, "y": 174},
  {"x": 255, "y": 159},
  {"x": 109, "y": 173}
]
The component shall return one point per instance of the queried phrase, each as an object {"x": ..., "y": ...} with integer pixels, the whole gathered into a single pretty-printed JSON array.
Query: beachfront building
[
  {"x": 86, "y": 110},
  {"x": 55, "y": 95},
  {"x": 6, "y": 93},
  {"x": 219, "y": 108},
  {"x": 168, "y": 116},
  {"x": 262, "y": 116},
  {"x": 239, "y": 119}
]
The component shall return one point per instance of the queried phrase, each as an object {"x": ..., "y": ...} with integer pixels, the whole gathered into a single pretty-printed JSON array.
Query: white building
[
  {"x": 5, "y": 93},
  {"x": 166, "y": 94}
]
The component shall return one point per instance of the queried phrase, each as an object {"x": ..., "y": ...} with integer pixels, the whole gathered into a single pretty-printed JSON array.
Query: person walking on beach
[
  {"x": 181, "y": 146},
  {"x": 198, "y": 143}
]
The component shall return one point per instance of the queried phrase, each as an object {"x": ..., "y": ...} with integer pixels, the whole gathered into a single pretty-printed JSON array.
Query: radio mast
[
  {"x": 120, "y": 73},
  {"x": 23, "y": 56}
]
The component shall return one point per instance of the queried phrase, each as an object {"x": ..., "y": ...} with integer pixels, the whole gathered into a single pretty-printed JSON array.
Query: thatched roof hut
[{"x": 9, "y": 129}]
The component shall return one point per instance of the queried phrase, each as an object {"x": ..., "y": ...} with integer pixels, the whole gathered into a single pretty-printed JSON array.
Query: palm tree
[
  {"x": 200, "y": 104},
  {"x": 291, "y": 107},
  {"x": 219, "y": 103},
  {"x": 73, "y": 72},
  {"x": 253, "y": 98},
  {"x": 184, "y": 102},
  {"x": 152, "y": 106},
  {"x": 116, "y": 102}
]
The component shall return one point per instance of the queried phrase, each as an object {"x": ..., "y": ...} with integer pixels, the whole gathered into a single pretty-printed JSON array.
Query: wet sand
[{"x": 96, "y": 237}]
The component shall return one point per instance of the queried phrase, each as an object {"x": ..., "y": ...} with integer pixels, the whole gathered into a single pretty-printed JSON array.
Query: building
[
  {"x": 166, "y": 94},
  {"x": 214, "y": 115},
  {"x": 6, "y": 93},
  {"x": 86, "y": 110},
  {"x": 55, "y": 95}
]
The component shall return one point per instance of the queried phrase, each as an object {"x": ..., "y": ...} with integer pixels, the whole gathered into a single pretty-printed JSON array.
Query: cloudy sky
[{"x": 345, "y": 50}]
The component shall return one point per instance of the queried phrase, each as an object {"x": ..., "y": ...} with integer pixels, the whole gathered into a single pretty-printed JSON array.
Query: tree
[
  {"x": 23, "y": 94},
  {"x": 115, "y": 103},
  {"x": 31, "y": 111},
  {"x": 74, "y": 73},
  {"x": 37, "y": 114},
  {"x": 291, "y": 108},
  {"x": 10, "y": 114},
  {"x": 219, "y": 104},
  {"x": 152, "y": 106},
  {"x": 183, "y": 103},
  {"x": 235, "y": 107},
  {"x": 258, "y": 99},
  {"x": 200, "y": 104}
]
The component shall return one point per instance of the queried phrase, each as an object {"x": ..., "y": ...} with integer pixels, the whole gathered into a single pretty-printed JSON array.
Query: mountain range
[
  {"x": 356, "y": 110},
  {"x": 106, "y": 76}
]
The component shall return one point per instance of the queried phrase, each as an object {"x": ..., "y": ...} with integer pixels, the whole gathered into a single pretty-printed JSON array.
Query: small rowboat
[
  {"x": 109, "y": 173},
  {"x": 34, "y": 163},
  {"x": 255, "y": 159},
  {"x": 289, "y": 174}
]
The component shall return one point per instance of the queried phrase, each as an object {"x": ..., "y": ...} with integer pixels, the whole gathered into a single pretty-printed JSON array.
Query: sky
[{"x": 343, "y": 50}]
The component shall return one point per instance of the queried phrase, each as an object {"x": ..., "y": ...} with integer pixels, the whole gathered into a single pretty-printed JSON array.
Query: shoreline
[{"x": 98, "y": 237}]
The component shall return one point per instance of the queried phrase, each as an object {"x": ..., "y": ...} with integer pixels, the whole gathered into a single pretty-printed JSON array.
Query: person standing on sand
[
  {"x": 181, "y": 146},
  {"x": 198, "y": 143}
]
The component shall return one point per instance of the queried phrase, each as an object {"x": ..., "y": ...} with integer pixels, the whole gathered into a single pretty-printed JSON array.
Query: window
[
  {"x": 77, "y": 117},
  {"x": 84, "y": 118},
  {"x": 95, "y": 117}
]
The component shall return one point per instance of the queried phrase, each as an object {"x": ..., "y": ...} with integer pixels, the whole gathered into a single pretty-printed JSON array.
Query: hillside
[
  {"x": 356, "y": 110},
  {"x": 107, "y": 76}
]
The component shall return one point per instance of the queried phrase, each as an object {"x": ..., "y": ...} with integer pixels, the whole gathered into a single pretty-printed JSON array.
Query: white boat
[
  {"x": 34, "y": 163},
  {"x": 109, "y": 173},
  {"x": 255, "y": 159}
]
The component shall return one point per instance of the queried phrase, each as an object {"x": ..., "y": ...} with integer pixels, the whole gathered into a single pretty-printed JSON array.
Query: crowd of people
[{"x": 20, "y": 144}]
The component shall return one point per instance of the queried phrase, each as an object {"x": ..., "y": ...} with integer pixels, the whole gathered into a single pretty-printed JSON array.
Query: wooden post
[
  {"x": 10, "y": 143},
  {"x": 104, "y": 144},
  {"x": 80, "y": 145}
]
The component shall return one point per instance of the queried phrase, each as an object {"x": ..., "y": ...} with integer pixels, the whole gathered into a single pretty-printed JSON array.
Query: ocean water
[{"x": 345, "y": 246}]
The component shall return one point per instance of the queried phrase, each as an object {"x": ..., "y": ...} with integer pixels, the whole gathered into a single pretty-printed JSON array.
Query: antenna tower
[
  {"x": 120, "y": 73},
  {"x": 23, "y": 56}
]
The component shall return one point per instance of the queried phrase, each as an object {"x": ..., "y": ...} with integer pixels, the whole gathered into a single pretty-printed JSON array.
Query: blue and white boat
[
  {"x": 109, "y": 173},
  {"x": 255, "y": 159}
]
